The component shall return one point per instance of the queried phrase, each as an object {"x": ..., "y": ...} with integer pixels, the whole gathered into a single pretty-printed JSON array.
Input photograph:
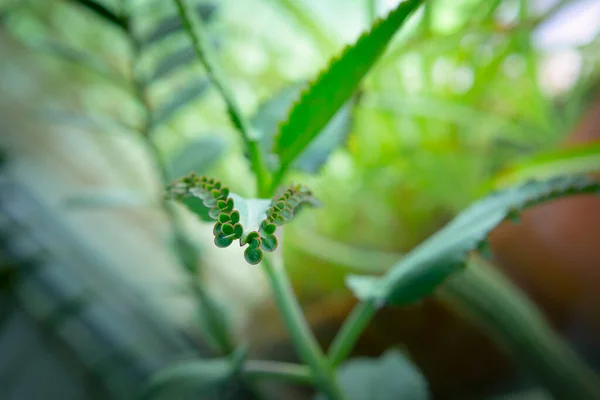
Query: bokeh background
[{"x": 471, "y": 96}]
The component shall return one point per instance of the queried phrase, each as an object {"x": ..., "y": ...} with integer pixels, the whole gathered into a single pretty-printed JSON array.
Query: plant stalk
[
  {"x": 348, "y": 335},
  {"x": 293, "y": 373},
  {"x": 204, "y": 52},
  {"x": 302, "y": 337}
]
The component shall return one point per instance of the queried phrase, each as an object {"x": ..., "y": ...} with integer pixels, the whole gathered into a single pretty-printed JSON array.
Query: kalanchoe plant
[
  {"x": 251, "y": 221},
  {"x": 254, "y": 223}
]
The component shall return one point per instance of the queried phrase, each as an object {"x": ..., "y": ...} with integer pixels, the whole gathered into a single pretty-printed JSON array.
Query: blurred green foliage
[{"x": 457, "y": 99}]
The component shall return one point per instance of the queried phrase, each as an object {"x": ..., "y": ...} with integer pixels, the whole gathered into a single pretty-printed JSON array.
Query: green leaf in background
[
  {"x": 424, "y": 268},
  {"x": 334, "y": 87},
  {"x": 390, "y": 377},
  {"x": 179, "y": 101},
  {"x": 171, "y": 62},
  {"x": 79, "y": 57},
  {"x": 252, "y": 221},
  {"x": 107, "y": 198},
  {"x": 190, "y": 379},
  {"x": 275, "y": 110},
  {"x": 172, "y": 24},
  {"x": 573, "y": 160},
  {"x": 197, "y": 155},
  {"x": 104, "y": 13}
]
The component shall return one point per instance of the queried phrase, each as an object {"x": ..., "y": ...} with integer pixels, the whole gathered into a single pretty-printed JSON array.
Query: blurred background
[{"x": 97, "y": 113}]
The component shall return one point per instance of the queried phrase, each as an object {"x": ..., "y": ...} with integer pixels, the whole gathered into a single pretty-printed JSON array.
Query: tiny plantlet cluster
[
  {"x": 238, "y": 219},
  {"x": 256, "y": 224}
]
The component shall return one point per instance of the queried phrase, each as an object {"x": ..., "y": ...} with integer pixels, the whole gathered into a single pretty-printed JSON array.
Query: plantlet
[{"x": 255, "y": 223}]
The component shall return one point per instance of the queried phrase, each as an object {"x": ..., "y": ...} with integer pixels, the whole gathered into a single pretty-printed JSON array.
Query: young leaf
[
  {"x": 424, "y": 268},
  {"x": 251, "y": 221},
  {"x": 390, "y": 377},
  {"x": 272, "y": 112},
  {"x": 183, "y": 98},
  {"x": 197, "y": 156},
  {"x": 318, "y": 104}
]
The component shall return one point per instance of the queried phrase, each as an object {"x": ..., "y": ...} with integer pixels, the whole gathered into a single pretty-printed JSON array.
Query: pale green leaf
[
  {"x": 390, "y": 377},
  {"x": 324, "y": 97},
  {"x": 424, "y": 268},
  {"x": 252, "y": 212}
]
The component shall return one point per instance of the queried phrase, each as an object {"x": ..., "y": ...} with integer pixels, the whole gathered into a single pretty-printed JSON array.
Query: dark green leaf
[
  {"x": 390, "y": 377},
  {"x": 334, "y": 87},
  {"x": 424, "y": 268},
  {"x": 172, "y": 24},
  {"x": 275, "y": 110},
  {"x": 178, "y": 102},
  {"x": 189, "y": 378},
  {"x": 105, "y": 13},
  {"x": 197, "y": 156}
]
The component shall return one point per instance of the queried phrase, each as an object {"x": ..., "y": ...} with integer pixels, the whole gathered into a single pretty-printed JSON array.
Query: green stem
[
  {"x": 204, "y": 52},
  {"x": 491, "y": 300},
  {"x": 293, "y": 373},
  {"x": 353, "y": 326},
  {"x": 306, "y": 345}
]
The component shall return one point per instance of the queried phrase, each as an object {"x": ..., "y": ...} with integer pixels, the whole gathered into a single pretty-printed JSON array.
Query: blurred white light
[
  {"x": 559, "y": 71},
  {"x": 575, "y": 25}
]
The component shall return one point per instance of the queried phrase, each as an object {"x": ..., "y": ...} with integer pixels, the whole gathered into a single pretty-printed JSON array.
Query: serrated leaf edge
[
  {"x": 284, "y": 205},
  {"x": 306, "y": 92}
]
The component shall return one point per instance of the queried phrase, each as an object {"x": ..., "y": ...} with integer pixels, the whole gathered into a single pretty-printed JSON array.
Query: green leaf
[
  {"x": 424, "y": 268},
  {"x": 79, "y": 57},
  {"x": 274, "y": 111},
  {"x": 104, "y": 13},
  {"x": 178, "y": 102},
  {"x": 198, "y": 155},
  {"x": 171, "y": 62},
  {"x": 101, "y": 123},
  {"x": 186, "y": 379},
  {"x": 172, "y": 24},
  {"x": 252, "y": 221},
  {"x": 573, "y": 160},
  {"x": 319, "y": 103},
  {"x": 390, "y": 377}
]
